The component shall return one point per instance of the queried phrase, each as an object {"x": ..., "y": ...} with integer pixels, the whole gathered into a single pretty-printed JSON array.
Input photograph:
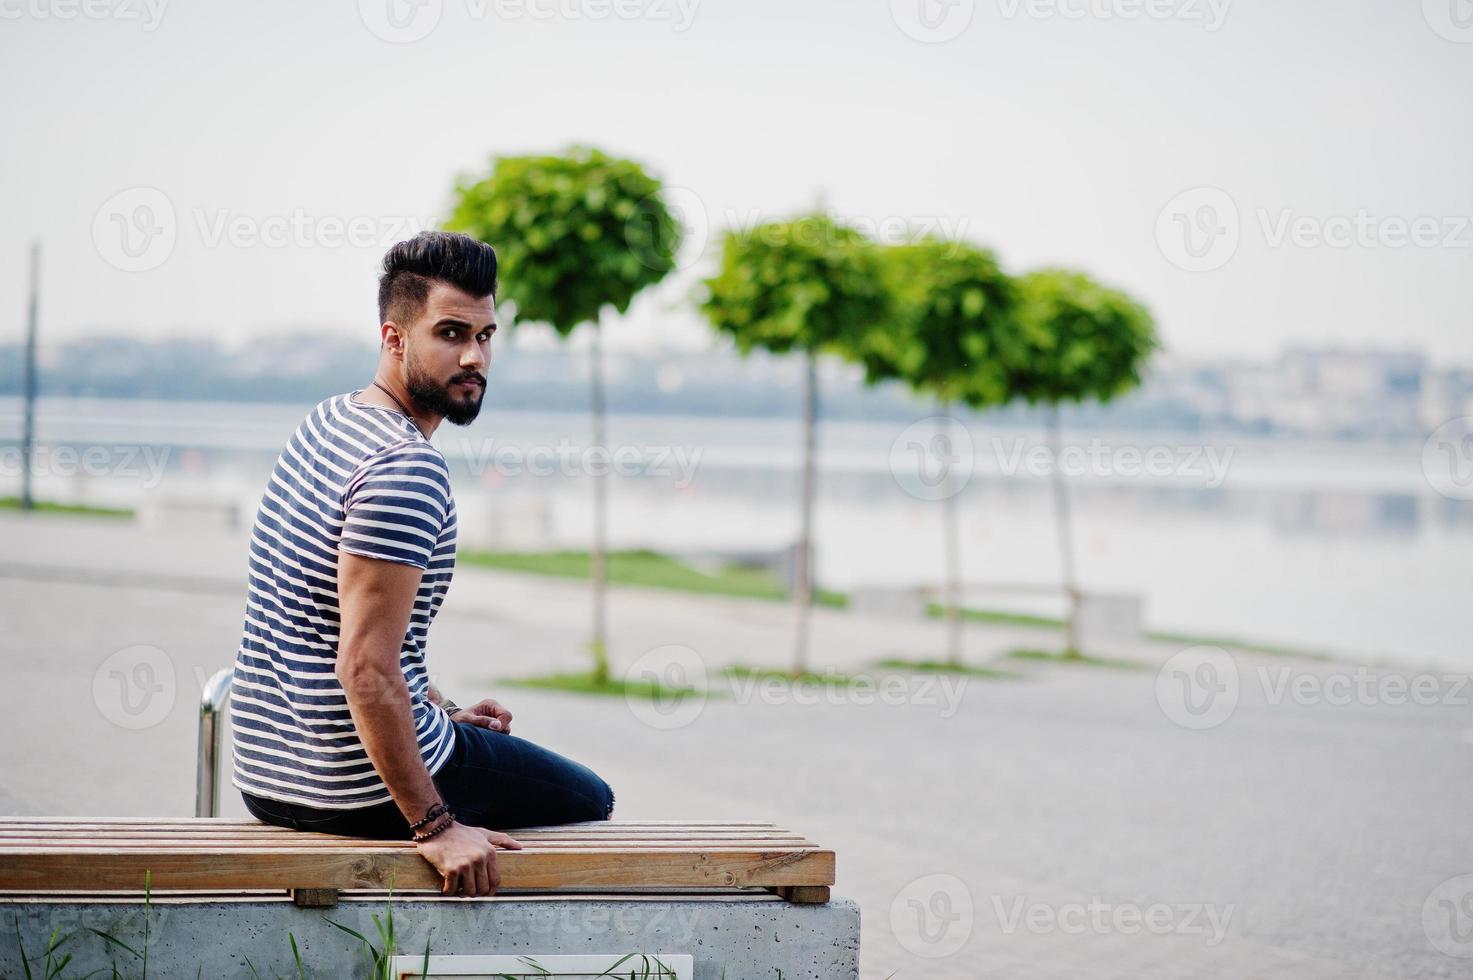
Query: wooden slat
[
  {"x": 279, "y": 835},
  {"x": 84, "y": 854},
  {"x": 37, "y": 844},
  {"x": 378, "y": 867},
  {"x": 803, "y": 894},
  {"x": 228, "y": 822}
]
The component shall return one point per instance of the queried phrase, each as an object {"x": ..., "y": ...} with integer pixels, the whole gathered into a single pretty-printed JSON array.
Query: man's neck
[{"x": 375, "y": 395}]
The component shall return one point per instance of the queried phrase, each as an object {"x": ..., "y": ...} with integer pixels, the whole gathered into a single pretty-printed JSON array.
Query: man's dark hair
[{"x": 410, "y": 268}]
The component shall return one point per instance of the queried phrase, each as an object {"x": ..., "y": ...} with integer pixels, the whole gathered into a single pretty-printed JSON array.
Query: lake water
[{"x": 1341, "y": 547}]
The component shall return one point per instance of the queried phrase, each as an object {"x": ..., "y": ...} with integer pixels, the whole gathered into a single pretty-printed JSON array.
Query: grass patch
[
  {"x": 947, "y": 667},
  {"x": 747, "y": 672},
  {"x": 1074, "y": 658},
  {"x": 936, "y": 610},
  {"x": 587, "y": 683},
  {"x": 52, "y": 507},
  {"x": 1188, "y": 639},
  {"x": 649, "y": 569}
]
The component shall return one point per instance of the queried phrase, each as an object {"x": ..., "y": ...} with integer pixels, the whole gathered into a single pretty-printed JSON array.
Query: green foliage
[
  {"x": 573, "y": 233},
  {"x": 809, "y": 284},
  {"x": 591, "y": 683},
  {"x": 76, "y": 510},
  {"x": 951, "y": 306},
  {"x": 1074, "y": 339},
  {"x": 651, "y": 570},
  {"x": 923, "y": 666},
  {"x": 1075, "y": 658}
]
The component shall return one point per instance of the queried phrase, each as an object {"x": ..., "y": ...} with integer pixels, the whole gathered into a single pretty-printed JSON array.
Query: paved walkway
[{"x": 1057, "y": 825}]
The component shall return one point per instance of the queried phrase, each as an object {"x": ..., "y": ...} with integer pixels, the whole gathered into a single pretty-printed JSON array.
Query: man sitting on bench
[{"x": 337, "y": 727}]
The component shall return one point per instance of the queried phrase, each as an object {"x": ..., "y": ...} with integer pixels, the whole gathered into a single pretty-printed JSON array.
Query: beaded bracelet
[
  {"x": 436, "y": 830},
  {"x": 432, "y": 813}
]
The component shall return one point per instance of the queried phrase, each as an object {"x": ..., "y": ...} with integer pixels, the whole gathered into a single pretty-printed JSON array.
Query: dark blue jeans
[{"x": 491, "y": 780}]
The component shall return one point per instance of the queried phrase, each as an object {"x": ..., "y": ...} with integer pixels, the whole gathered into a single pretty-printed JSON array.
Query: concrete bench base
[{"x": 748, "y": 935}]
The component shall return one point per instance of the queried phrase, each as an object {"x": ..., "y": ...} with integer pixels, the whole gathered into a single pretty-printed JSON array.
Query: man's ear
[{"x": 392, "y": 337}]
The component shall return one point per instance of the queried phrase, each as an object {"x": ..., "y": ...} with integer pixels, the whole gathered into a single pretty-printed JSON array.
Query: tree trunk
[
  {"x": 28, "y": 430},
  {"x": 952, "y": 543},
  {"x": 1066, "y": 535},
  {"x": 600, "y": 515},
  {"x": 803, "y": 560}
]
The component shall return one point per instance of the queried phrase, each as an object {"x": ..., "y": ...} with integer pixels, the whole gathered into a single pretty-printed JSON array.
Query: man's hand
[
  {"x": 465, "y": 856},
  {"x": 487, "y": 714}
]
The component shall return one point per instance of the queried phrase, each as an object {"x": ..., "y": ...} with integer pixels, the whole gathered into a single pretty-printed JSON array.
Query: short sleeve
[{"x": 397, "y": 504}]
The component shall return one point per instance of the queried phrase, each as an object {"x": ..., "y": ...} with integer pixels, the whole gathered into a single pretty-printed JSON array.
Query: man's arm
[{"x": 375, "y": 601}]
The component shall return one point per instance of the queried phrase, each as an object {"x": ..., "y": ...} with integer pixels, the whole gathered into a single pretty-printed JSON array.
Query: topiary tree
[
  {"x": 1074, "y": 339},
  {"x": 809, "y": 286},
  {"x": 579, "y": 236},
  {"x": 951, "y": 303}
]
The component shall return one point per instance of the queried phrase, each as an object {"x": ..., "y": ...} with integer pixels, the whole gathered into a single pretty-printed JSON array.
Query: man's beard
[{"x": 432, "y": 396}]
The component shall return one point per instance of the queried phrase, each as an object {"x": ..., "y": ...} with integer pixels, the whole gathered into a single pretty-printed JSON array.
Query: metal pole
[
  {"x": 952, "y": 535},
  {"x": 1066, "y": 535},
  {"x": 214, "y": 703},
  {"x": 28, "y": 432},
  {"x": 599, "y": 568},
  {"x": 803, "y": 566}
]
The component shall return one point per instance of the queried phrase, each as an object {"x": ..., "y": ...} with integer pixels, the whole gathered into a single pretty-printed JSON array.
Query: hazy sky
[{"x": 227, "y": 150}]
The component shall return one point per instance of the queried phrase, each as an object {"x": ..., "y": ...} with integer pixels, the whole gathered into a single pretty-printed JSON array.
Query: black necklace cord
[{"x": 396, "y": 401}]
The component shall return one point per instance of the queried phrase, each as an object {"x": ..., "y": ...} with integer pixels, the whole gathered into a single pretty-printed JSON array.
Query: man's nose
[{"x": 474, "y": 357}]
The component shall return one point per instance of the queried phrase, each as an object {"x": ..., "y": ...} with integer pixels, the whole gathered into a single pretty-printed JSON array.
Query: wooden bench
[{"x": 199, "y": 854}]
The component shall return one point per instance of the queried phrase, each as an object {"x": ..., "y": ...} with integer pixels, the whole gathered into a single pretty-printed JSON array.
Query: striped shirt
[{"x": 353, "y": 478}]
